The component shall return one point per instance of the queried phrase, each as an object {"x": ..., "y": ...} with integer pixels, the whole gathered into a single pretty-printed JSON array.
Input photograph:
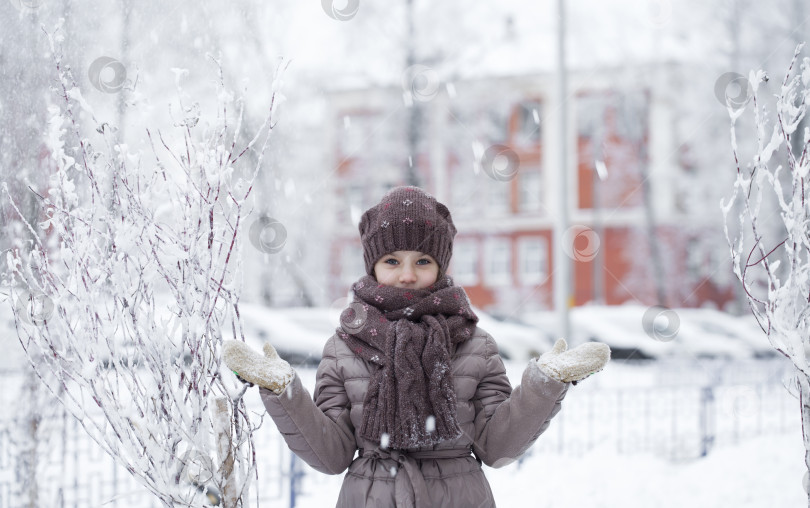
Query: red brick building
[{"x": 631, "y": 240}]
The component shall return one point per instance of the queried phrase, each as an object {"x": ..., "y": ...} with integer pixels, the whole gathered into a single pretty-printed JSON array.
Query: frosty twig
[{"x": 142, "y": 268}]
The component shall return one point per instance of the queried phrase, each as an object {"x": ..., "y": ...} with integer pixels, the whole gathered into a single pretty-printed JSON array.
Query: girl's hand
[
  {"x": 268, "y": 371},
  {"x": 576, "y": 364}
]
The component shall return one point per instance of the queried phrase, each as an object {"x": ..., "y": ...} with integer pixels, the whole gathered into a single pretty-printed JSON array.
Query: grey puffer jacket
[{"x": 498, "y": 425}]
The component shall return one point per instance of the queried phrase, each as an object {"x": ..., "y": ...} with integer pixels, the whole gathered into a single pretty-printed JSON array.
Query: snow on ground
[
  {"x": 754, "y": 471},
  {"x": 763, "y": 472},
  {"x": 758, "y": 472}
]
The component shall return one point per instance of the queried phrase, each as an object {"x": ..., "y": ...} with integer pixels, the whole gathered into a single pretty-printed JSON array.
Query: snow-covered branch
[
  {"x": 781, "y": 304},
  {"x": 126, "y": 303}
]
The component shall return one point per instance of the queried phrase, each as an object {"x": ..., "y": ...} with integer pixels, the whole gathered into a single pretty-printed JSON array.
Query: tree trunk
[
  {"x": 804, "y": 400},
  {"x": 27, "y": 441},
  {"x": 230, "y": 495}
]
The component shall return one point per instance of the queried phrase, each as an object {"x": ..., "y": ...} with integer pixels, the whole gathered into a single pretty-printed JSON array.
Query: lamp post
[{"x": 562, "y": 262}]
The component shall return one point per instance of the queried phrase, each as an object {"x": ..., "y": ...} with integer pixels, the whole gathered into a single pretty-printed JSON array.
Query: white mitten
[
  {"x": 576, "y": 364},
  {"x": 268, "y": 371}
]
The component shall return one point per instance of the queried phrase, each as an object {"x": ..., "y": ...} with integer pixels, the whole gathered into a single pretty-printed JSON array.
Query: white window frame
[
  {"x": 466, "y": 262},
  {"x": 523, "y": 190},
  {"x": 355, "y": 198},
  {"x": 532, "y": 260},
  {"x": 498, "y": 261},
  {"x": 497, "y": 198},
  {"x": 352, "y": 266},
  {"x": 463, "y": 195},
  {"x": 354, "y": 133},
  {"x": 527, "y": 127}
]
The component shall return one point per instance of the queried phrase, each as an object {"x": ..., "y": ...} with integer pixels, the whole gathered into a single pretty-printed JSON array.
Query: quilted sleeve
[
  {"x": 507, "y": 422},
  {"x": 319, "y": 431}
]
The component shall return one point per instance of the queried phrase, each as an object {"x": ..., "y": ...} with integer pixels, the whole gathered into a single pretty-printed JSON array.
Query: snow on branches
[
  {"x": 124, "y": 300},
  {"x": 783, "y": 308},
  {"x": 773, "y": 261}
]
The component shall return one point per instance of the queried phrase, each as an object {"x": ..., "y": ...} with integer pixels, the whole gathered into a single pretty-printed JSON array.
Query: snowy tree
[
  {"x": 123, "y": 309},
  {"x": 779, "y": 252}
]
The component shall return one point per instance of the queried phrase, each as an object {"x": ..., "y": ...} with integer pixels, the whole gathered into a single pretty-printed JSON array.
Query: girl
[{"x": 411, "y": 396}]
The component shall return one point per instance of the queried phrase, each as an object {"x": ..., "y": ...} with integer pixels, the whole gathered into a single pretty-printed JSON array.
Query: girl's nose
[{"x": 408, "y": 275}]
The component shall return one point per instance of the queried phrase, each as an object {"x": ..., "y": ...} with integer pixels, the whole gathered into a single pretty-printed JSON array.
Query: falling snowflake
[
  {"x": 407, "y": 202},
  {"x": 430, "y": 424},
  {"x": 408, "y": 311}
]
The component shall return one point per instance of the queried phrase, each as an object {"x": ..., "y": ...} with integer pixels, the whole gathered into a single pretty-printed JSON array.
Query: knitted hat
[{"x": 407, "y": 218}]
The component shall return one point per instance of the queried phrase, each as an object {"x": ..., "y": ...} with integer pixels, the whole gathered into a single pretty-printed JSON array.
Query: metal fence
[
  {"x": 671, "y": 422},
  {"x": 676, "y": 422},
  {"x": 73, "y": 472}
]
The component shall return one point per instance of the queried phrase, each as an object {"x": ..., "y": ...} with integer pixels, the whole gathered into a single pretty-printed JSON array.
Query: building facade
[{"x": 489, "y": 149}]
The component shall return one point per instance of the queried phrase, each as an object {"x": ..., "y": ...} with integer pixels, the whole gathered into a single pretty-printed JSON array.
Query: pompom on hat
[{"x": 407, "y": 218}]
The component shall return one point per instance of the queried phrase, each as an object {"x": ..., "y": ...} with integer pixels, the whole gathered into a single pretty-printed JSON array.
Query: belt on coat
[{"x": 410, "y": 488}]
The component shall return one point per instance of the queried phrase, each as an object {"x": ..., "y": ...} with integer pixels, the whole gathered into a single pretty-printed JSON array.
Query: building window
[
  {"x": 354, "y": 201},
  {"x": 494, "y": 125},
  {"x": 353, "y": 133},
  {"x": 532, "y": 260},
  {"x": 352, "y": 266},
  {"x": 463, "y": 195},
  {"x": 529, "y": 191},
  {"x": 498, "y": 266},
  {"x": 497, "y": 195},
  {"x": 465, "y": 262},
  {"x": 527, "y": 131}
]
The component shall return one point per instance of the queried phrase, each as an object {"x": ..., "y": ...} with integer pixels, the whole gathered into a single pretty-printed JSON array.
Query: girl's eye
[
  {"x": 391, "y": 261},
  {"x": 426, "y": 261}
]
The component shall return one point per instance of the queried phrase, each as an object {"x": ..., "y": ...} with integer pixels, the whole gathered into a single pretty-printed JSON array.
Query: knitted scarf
[{"x": 410, "y": 336}]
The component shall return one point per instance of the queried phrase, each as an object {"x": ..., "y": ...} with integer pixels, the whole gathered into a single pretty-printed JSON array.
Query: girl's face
[{"x": 406, "y": 269}]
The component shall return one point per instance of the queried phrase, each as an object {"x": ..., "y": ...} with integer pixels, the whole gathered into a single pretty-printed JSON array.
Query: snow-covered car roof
[{"x": 698, "y": 333}]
